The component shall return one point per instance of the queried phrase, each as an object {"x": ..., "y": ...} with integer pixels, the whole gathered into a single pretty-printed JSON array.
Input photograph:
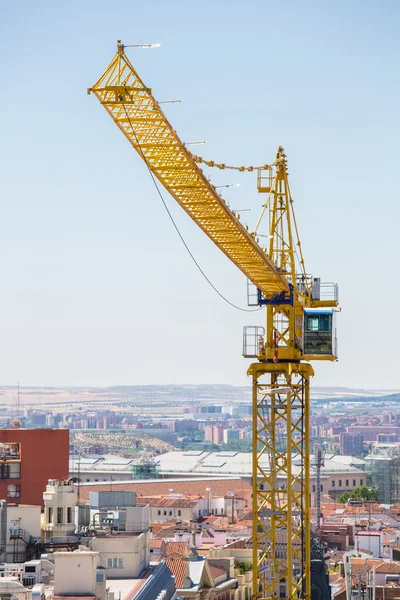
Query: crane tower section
[{"x": 300, "y": 323}]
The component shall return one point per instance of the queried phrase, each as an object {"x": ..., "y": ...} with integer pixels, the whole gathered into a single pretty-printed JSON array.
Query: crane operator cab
[{"x": 320, "y": 341}]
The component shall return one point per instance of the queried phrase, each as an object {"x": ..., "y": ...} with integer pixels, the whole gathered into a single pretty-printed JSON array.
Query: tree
[
  {"x": 362, "y": 493},
  {"x": 243, "y": 567}
]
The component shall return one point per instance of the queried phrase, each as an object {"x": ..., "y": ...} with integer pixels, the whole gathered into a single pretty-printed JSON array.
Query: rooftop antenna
[
  {"x": 194, "y": 143},
  {"x": 229, "y": 185},
  {"x": 145, "y": 46},
  {"x": 16, "y": 422}
]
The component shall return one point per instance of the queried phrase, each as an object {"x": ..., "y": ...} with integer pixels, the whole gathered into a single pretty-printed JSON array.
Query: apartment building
[{"x": 28, "y": 459}]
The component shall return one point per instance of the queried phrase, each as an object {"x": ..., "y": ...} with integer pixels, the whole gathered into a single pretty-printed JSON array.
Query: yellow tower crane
[{"x": 300, "y": 323}]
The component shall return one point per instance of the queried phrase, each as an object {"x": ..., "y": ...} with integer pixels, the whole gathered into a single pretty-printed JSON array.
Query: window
[
  {"x": 50, "y": 514},
  {"x": 179, "y": 513},
  {"x": 29, "y": 569},
  {"x": 100, "y": 578},
  {"x": 69, "y": 514},
  {"x": 333, "y": 484},
  {"x": 322, "y": 488},
  {"x": 10, "y": 471},
  {"x": 4, "y": 471},
  {"x": 59, "y": 515},
  {"x": 159, "y": 512},
  {"x": 340, "y": 483},
  {"x": 313, "y": 488},
  {"x": 115, "y": 563},
  {"x": 222, "y": 511},
  {"x": 14, "y": 490},
  {"x": 165, "y": 512},
  {"x": 354, "y": 483},
  {"x": 361, "y": 482},
  {"x": 347, "y": 483},
  {"x": 170, "y": 513}
]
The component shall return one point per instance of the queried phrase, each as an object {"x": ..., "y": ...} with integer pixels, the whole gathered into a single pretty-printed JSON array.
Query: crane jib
[{"x": 139, "y": 116}]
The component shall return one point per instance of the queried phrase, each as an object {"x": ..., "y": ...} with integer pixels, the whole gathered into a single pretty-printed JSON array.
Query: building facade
[
  {"x": 28, "y": 459},
  {"x": 351, "y": 444},
  {"x": 383, "y": 468}
]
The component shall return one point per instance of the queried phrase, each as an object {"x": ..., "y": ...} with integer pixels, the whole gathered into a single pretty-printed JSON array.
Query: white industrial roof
[{"x": 207, "y": 463}]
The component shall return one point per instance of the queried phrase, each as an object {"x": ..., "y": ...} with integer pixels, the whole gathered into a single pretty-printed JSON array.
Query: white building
[
  {"x": 59, "y": 512},
  {"x": 230, "y": 434},
  {"x": 177, "y": 507},
  {"x": 78, "y": 574},
  {"x": 371, "y": 541},
  {"x": 123, "y": 555},
  {"x": 21, "y": 526}
]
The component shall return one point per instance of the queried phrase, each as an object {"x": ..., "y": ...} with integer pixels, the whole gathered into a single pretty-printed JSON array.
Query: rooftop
[
  {"x": 240, "y": 463},
  {"x": 155, "y": 487}
]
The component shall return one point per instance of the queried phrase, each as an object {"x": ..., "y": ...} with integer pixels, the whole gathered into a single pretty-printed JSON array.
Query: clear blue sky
[{"x": 96, "y": 288}]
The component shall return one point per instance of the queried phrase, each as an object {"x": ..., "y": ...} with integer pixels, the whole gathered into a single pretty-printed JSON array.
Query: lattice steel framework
[
  {"x": 281, "y": 531},
  {"x": 281, "y": 492},
  {"x": 139, "y": 116}
]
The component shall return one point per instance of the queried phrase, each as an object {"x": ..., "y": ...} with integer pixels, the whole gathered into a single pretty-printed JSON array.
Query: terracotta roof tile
[
  {"x": 219, "y": 487},
  {"x": 388, "y": 567},
  {"x": 217, "y": 571},
  {"x": 157, "y": 527},
  {"x": 178, "y": 568},
  {"x": 247, "y": 516},
  {"x": 166, "y": 532},
  {"x": 177, "y": 548},
  {"x": 173, "y": 502},
  {"x": 238, "y": 544}
]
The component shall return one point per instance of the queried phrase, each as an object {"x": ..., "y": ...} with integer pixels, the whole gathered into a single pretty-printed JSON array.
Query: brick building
[
  {"x": 214, "y": 434},
  {"x": 351, "y": 444},
  {"x": 28, "y": 459},
  {"x": 370, "y": 432}
]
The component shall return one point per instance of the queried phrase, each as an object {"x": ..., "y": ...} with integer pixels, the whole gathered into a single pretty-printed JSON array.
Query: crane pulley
[{"x": 211, "y": 163}]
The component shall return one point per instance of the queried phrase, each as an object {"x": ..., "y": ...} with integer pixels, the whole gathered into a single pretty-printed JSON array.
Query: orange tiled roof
[
  {"x": 173, "y": 502},
  {"x": 219, "y": 487},
  {"x": 178, "y": 568},
  {"x": 238, "y": 544},
  {"x": 389, "y": 568},
  {"x": 166, "y": 532},
  {"x": 216, "y": 571},
  {"x": 177, "y": 548}
]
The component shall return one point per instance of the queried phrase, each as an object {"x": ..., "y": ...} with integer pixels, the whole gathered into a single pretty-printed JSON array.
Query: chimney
[{"x": 209, "y": 503}]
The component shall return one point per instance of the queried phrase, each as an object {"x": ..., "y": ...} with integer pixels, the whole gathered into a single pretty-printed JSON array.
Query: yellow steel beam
[
  {"x": 281, "y": 489},
  {"x": 139, "y": 116}
]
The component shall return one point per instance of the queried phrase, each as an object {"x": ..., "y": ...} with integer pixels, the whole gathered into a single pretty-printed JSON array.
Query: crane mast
[{"x": 300, "y": 323}]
